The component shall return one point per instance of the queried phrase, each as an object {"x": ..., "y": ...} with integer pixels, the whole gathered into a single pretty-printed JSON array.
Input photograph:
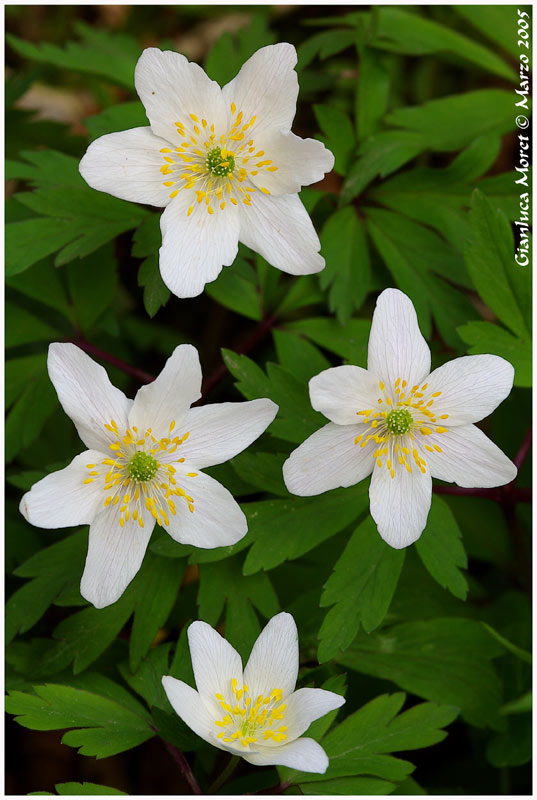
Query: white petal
[
  {"x": 188, "y": 705},
  {"x": 306, "y": 705},
  {"x": 220, "y": 431},
  {"x": 171, "y": 89},
  {"x": 215, "y": 663},
  {"x": 115, "y": 555},
  {"x": 300, "y": 162},
  {"x": 340, "y": 392},
  {"x": 194, "y": 248},
  {"x": 280, "y": 229},
  {"x": 217, "y": 519},
  {"x": 62, "y": 498},
  {"x": 400, "y": 505},
  {"x": 127, "y": 165},
  {"x": 327, "y": 460},
  {"x": 472, "y": 387},
  {"x": 305, "y": 755},
  {"x": 266, "y": 87},
  {"x": 273, "y": 662},
  {"x": 396, "y": 347},
  {"x": 86, "y": 394},
  {"x": 469, "y": 458},
  {"x": 168, "y": 398}
]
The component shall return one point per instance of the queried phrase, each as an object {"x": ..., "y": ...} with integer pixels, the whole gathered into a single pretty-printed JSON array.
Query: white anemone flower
[
  {"x": 223, "y": 162},
  {"x": 402, "y": 424},
  {"x": 143, "y": 466},
  {"x": 256, "y": 714}
]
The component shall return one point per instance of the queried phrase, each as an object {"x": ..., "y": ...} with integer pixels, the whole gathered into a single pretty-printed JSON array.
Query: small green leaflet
[
  {"x": 223, "y": 583},
  {"x": 361, "y": 744},
  {"x": 442, "y": 659},
  {"x": 441, "y": 549},
  {"x": 76, "y": 219},
  {"x": 362, "y": 586},
  {"x": 103, "y": 726}
]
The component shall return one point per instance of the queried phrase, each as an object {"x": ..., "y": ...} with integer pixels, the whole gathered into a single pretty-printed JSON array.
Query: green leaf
[
  {"x": 348, "y": 341},
  {"x": 157, "y": 587},
  {"x": 443, "y": 660},
  {"x": 324, "y": 44},
  {"x": 104, "y": 726},
  {"x": 441, "y": 549},
  {"x": 262, "y": 471},
  {"x": 296, "y": 419},
  {"x": 172, "y": 729},
  {"x": 519, "y": 706},
  {"x": 339, "y": 133},
  {"x": 108, "y": 55},
  {"x": 502, "y": 284},
  {"x": 362, "y": 586},
  {"x": 33, "y": 239},
  {"x": 93, "y": 285},
  {"x": 237, "y": 288},
  {"x": 410, "y": 251},
  {"x": 29, "y": 414},
  {"x": 86, "y": 634},
  {"x": 85, "y": 787},
  {"x": 156, "y": 293},
  {"x": 298, "y": 355},
  {"x": 43, "y": 282},
  {"x": 231, "y": 50},
  {"x": 372, "y": 92},
  {"x": 485, "y": 337},
  {"x": 121, "y": 117},
  {"x": 380, "y": 155},
  {"x": 512, "y": 648},
  {"x": 347, "y": 271},
  {"x": 360, "y": 744},
  {"x": 512, "y": 747},
  {"x": 493, "y": 21},
  {"x": 51, "y": 569},
  {"x": 146, "y": 678},
  {"x": 349, "y": 787},
  {"x": 403, "y": 32},
  {"x": 223, "y": 583},
  {"x": 453, "y": 122},
  {"x": 75, "y": 215},
  {"x": 22, "y": 327},
  {"x": 283, "y": 530}
]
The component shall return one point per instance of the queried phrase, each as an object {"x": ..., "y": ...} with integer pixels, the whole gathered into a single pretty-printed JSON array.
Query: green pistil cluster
[
  {"x": 399, "y": 421},
  {"x": 218, "y": 165},
  {"x": 142, "y": 467}
]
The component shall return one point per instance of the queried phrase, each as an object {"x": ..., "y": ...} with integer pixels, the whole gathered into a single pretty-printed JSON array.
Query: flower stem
[
  {"x": 499, "y": 494},
  {"x": 226, "y": 773},
  {"x": 247, "y": 344},
  {"x": 524, "y": 449},
  {"x": 92, "y": 350},
  {"x": 184, "y": 766}
]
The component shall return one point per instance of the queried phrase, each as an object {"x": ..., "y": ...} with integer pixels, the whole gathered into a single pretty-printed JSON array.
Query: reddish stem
[
  {"x": 92, "y": 350},
  {"x": 524, "y": 449},
  {"x": 501, "y": 494},
  {"x": 248, "y": 343},
  {"x": 184, "y": 766}
]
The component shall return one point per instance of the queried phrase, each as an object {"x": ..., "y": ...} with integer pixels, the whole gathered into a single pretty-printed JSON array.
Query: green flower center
[
  {"x": 218, "y": 165},
  {"x": 142, "y": 467},
  {"x": 399, "y": 421}
]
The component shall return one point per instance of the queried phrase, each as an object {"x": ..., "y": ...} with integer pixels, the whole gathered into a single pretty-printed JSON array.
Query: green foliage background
[{"x": 417, "y": 104}]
